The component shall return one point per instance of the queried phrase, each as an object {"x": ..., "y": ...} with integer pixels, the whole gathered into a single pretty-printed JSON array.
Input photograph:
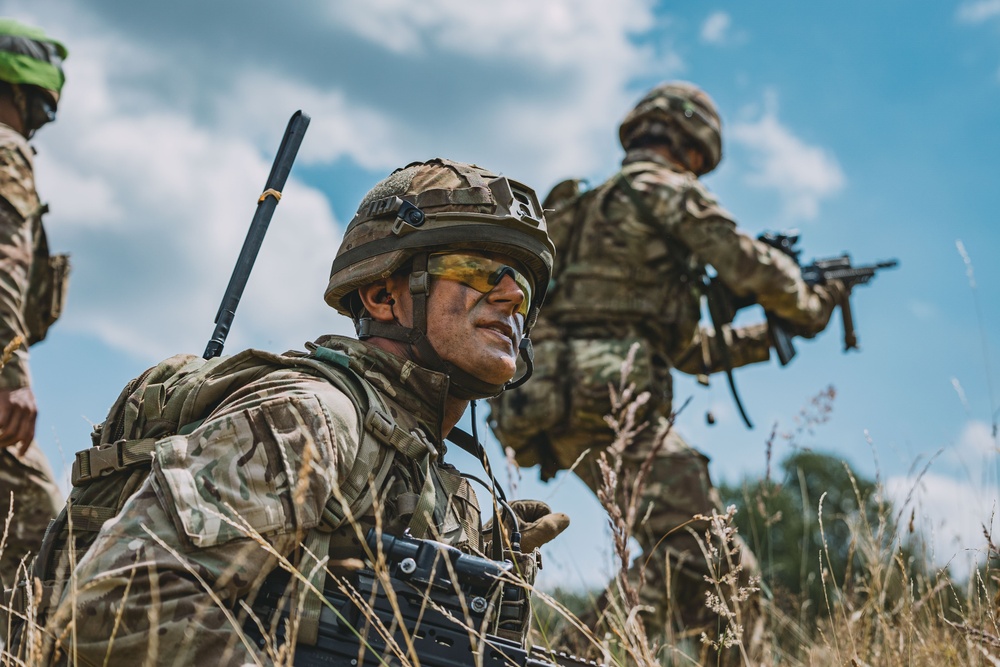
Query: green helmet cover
[{"x": 29, "y": 56}]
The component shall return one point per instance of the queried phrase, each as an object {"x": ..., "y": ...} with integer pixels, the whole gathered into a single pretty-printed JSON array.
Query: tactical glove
[{"x": 539, "y": 524}]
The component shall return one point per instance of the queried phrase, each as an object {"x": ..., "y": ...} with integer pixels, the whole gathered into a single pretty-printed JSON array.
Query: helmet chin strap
[
  {"x": 33, "y": 109},
  {"x": 462, "y": 385}
]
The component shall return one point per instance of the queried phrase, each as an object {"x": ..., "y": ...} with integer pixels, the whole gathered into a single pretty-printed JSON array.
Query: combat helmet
[
  {"x": 429, "y": 207},
  {"x": 678, "y": 114},
  {"x": 31, "y": 62}
]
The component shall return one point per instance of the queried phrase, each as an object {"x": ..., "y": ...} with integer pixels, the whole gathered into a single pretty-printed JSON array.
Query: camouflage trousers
[
  {"x": 28, "y": 482},
  {"x": 559, "y": 423}
]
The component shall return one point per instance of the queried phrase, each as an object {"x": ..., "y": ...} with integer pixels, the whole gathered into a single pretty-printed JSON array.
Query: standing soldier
[
  {"x": 631, "y": 257},
  {"x": 32, "y": 283},
  {"x": 223, "y": 470}
]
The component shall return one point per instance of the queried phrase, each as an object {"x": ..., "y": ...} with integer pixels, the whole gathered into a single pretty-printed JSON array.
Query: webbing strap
[
  {"x": 380, "y": 425},
  {"x": 105, "y": 459},
  {"x": 361, "y": 484},
  {"x": 313, "y": 566},
  {"x": 362, "y": 490},
  {"x": 422, "y": 453},
  {"x": 387, "y": 431},
  {"x": 90, "y": 518},
  {"x": 420, "y": 522},
  {"x": 715, "y": 311}
]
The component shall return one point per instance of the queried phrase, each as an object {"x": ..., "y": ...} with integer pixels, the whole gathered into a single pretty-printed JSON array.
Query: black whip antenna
[{"x": 266, "y": 204}]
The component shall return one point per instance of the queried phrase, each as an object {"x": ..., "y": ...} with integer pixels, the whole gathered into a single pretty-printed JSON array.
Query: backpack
[{"x": 174, "y": 398}]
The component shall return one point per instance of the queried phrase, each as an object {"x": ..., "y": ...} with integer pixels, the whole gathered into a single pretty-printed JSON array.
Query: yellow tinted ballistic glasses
[{"x": 480, "y": 273}]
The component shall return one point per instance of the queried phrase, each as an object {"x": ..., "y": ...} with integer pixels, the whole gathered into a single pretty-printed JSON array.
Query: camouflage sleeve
[
  {"x": 164, "y": 578},
  {"x": 16, "y": 252},
  {"x": 746, "y": 345},
  {"x": 745, "y": 265}
]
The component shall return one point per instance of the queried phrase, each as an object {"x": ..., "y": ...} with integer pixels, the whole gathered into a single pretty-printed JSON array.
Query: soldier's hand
[
  {"x": 833, "y": 290},
  {"x": 17, "y": 418},
  {"x": 539, "y": 524}
]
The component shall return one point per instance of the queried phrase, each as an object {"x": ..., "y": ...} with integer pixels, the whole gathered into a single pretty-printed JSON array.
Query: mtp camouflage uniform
[
  {"x": 262, "y": 475},
  {"x": 24, "y": 277},
  {"x": 629, "y": 268},
  {"x": 208, "y": 478},
  {"x": 32, "y": 283}
]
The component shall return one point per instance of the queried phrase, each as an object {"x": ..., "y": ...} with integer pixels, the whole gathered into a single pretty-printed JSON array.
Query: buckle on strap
[
  {"x": 106, "y": 459},
  {"x": 388, "y": 432},
  {"x": 380, "y": 425},
  {"x": 96, "y": 461},
  {"x": 419, "y": 282}
]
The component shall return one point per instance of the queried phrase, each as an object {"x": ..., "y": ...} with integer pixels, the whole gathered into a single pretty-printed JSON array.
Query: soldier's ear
[{"x": 378, "y": 301}]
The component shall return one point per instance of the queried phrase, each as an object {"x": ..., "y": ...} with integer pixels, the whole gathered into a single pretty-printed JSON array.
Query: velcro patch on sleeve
[{"x": 261, "y": 471}]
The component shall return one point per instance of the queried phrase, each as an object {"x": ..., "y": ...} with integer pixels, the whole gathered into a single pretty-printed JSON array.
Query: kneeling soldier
[{"x": 224, "y": 471}]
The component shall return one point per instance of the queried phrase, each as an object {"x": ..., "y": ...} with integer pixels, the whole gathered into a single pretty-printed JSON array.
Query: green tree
[{"x": 822, "y": 525}]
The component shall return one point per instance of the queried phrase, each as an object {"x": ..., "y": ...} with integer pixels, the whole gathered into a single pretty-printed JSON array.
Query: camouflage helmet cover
[
  {"x": 29, "y": 56},
  {"x": 674, "y": 106},
  {"x": 440, "y": 205}
]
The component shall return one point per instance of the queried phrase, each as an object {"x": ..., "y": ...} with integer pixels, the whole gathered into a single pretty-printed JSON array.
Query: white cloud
[
  {"x": 801, "y": 174},
  {"x": 163, "y": 145},
  {"x": 337, "y": 128},
  {"x": 979, "y": 11},
  {"x": 154, "y": 209},
  {"x": 715, "y": 29},
  {"x": 951, "y": 514},
  {"x": 950, "y": 511},
  {"x": 566, "y": 65},
  {"x": 553, "y": 34},
  {"x": 975, "y": 442},
  {"x": 960, "y": 391}
]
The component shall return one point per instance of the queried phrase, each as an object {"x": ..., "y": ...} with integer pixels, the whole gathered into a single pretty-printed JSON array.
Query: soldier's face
[{"x": 477, "y": 332}]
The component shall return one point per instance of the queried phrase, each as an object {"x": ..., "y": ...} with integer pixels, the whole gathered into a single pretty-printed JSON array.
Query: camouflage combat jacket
[
  {"x": 246, "y": 489},
  {"x": 32, "y": 284},
  {"x": 619, "y": 267},
  {"x": 630, "y": 269}
]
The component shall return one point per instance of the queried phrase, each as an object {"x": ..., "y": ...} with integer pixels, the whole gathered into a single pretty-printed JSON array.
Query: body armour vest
[{"x": 617, "y": 265}]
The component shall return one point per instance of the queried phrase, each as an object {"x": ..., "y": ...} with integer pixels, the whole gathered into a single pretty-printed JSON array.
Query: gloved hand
[{"x": 539, "y": 524}]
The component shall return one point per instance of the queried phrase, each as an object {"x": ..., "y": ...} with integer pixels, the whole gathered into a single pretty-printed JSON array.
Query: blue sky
[{"x": 872, "y": 128}]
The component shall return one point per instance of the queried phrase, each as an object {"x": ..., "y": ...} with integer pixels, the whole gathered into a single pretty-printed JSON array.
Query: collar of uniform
[
  {"x": 418, "y": 390},
  {"x": 649, "y": 155},
  {"x": 10, "y": 136}
]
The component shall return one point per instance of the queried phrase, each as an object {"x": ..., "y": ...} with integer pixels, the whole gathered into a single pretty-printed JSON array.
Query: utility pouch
[
  {"x": 595, "y": 367},
  {"x": 536, "y": 407},
  {"x": 47, "y": 289}
]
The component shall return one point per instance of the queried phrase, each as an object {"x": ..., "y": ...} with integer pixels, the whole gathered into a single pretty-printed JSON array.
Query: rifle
[
  {"x": 820, "y": 272},
  {"x": 432, "y": 604},
  {"x": 266, "y": 204},
  {"x": 723, "y": 304}
]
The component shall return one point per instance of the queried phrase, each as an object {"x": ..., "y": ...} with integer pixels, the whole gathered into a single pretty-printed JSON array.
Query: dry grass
[{"x": 888, "y": 609}]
